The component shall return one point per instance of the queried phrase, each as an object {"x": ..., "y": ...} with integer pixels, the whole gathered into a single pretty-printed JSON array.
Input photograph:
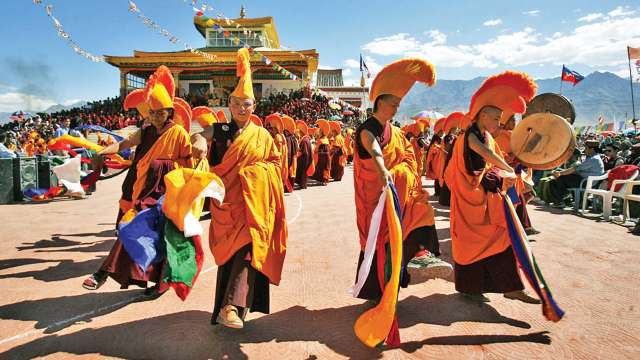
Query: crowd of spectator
[{"x": 28, "y": 135}]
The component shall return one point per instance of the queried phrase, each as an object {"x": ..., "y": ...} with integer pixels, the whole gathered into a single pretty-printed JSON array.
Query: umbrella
[
  {"x": 335, "y": 106},
  {"x": 335, "y": 117},
  {"x": 427, "y": 114},
  {"x": 347, "y": 112}
]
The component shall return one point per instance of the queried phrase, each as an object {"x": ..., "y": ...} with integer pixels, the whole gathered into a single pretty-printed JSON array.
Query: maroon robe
[{"x": 305, "y": 160}]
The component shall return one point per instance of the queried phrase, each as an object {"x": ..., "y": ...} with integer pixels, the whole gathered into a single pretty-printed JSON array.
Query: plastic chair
[
  {"x": 607, "y": 195},
  {"x": 628, "y": 196}
]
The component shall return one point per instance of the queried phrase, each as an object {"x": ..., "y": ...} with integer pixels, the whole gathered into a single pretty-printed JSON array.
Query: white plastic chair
[
  {"x": 607, "y": 195},
  {"x": 585, "y": 184},
  {"x": 628, "y": 197}
]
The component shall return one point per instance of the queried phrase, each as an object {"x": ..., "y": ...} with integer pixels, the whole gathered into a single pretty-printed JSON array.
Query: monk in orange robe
[
  {"x": 451, "y": 128},
  {"x": 348, "y": 139},
  {"x": 162, "y": 144},
  {"x": 274, "y": 124},
  {"x": 305, "y": 156},
  {"x": 484, "y": 260},
  {"x": 290, "y": 131},
  {"x": 383, "y": 155},
  {"x": 248, "y": 231},
  {"x": 322, "y": 153},
  {"x": 338, "y": 151}
]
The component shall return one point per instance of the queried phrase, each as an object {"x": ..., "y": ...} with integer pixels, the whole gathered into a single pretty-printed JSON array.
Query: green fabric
[
  {"x": 181, "y": 256},
  {"x": 387, "y": 264}
]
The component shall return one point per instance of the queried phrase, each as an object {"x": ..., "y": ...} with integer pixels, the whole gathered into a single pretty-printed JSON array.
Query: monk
[
  {"x": 161, "y": 144},
  {"x": 338, "y": 151},
  {"x": 383, "y": 155},
  {"x": 451, "y": 127},
  {"x": 274, "y": 124},
  {"x": 348, "y": 139},
  {"x": 322, "y": 153},
  {"x": 481, "y": 247},
  {"x": 524, "y": 190},
  {"x": 292, "y": 149},
  {"x": 248, "y": 231},
  {"x": 305, "y": 157}
]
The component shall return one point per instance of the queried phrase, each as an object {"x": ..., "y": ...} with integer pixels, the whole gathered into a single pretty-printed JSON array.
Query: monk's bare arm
[
  {"x": 133, "y": 140},
  {"x": 199, "y": 142},
  {"x": 487, "y": 154},
  {"x": 370, "y": 144}
]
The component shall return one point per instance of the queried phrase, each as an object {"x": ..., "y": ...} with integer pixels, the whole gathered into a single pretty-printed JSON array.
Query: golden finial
[{"x": 243, "y": 12}]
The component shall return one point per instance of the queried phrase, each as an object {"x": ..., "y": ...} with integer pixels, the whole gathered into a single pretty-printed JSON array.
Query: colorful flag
[
  {"x": 363, "y": 67},
  {"x": 528, "y": 264},
  {"x": 380, "y": 324},
  {"x": 634, "y": 62},
  {"x": 571, "y": 76}
]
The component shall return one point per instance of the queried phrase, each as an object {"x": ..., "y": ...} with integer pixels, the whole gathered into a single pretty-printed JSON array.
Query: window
[
  {"x": 135, "y": 82},
  {"x": 218, "y": 40}
]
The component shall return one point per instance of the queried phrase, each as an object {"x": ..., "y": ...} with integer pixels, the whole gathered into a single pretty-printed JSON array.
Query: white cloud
[
  {"x": 623, "y": 72},
  {"x": 532, "y": 12},
  {"x": 494, "y": 22},
  {"x": 437, "y": 37},
  {"x": 352, "y": 63},
  {"x": 591, "y": 17},
  {"x": 13, "y": 101},
  {"x": 346, "y": 72},
  {"x": 391, "y": 45},
  {"x": 621, "y": 11},
  {"x": 71, "y": 102},
  {"x": 325, "y": 67},
  {"x": 600, "y": 43}
]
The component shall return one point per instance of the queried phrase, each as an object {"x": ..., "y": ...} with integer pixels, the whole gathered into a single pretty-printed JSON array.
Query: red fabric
[{"x": 622, "y": 172}]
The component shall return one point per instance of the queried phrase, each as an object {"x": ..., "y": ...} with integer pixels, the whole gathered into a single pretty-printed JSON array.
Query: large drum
[
  {"x": 543, "y": 141},
  {"x": 551, "y": 103}
]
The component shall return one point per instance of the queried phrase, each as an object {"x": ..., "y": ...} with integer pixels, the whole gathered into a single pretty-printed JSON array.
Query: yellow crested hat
[
  {"x": 275, "y": 121},
  {"x": 182, "y": 113},
  {"x": 335, "y": 126},
  {"x": 160, "y": 89},
  {"x": 256, "y": 119},
  {"x": 398, "y": 77},
  {"x": 302, "y": 126},
  {"x": 324, "y": 126},
  {"x": 204, "y": 116},
  {"x": 137, "y": 99},
  {"x": 509, "y": 91},
  {"x": 222, "y": 116},
  {"x": 289, "y": 124},
  {"x": 244, "y": 90},
  {"x": 454, "y": 120}
]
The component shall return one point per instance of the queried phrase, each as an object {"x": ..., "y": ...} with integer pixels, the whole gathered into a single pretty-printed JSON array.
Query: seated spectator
[
  {"x": 573, "y": 176},
  {"x": 611, "y": 157}
]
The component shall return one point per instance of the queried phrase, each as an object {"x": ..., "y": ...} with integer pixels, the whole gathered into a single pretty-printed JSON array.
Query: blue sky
[{"x": 462, "y": 38}]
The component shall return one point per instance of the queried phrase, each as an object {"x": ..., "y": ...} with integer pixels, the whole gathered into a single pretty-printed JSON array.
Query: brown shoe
[
  {"x": 229, "y": 317},
  {"x": 521, "y": 295}
]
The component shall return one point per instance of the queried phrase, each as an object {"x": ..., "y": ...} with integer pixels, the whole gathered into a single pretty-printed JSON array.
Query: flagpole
[
  {"x": 561, "y": 79},
  {"x": 633, "y": 105}
]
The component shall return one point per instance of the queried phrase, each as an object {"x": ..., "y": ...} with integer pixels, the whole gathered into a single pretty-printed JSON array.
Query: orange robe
[
  {"x": 400, "y": 160},
  {"x": 478, "y": 224},
  {"x": 253, "y": 208},
  {"x": 430, "y": 161},
  {"x": 339, "y": 142},
  {"x": 281, "y": 146},
  {"x": 325, "y": 164}
]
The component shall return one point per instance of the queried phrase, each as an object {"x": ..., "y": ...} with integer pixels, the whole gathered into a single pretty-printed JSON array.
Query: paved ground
[{"x": 48, "y": 249}]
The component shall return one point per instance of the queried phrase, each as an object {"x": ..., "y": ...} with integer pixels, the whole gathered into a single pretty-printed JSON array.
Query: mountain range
[
  {"x": 599, "y": 93},
  {"x": 4, "y": 116}
]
